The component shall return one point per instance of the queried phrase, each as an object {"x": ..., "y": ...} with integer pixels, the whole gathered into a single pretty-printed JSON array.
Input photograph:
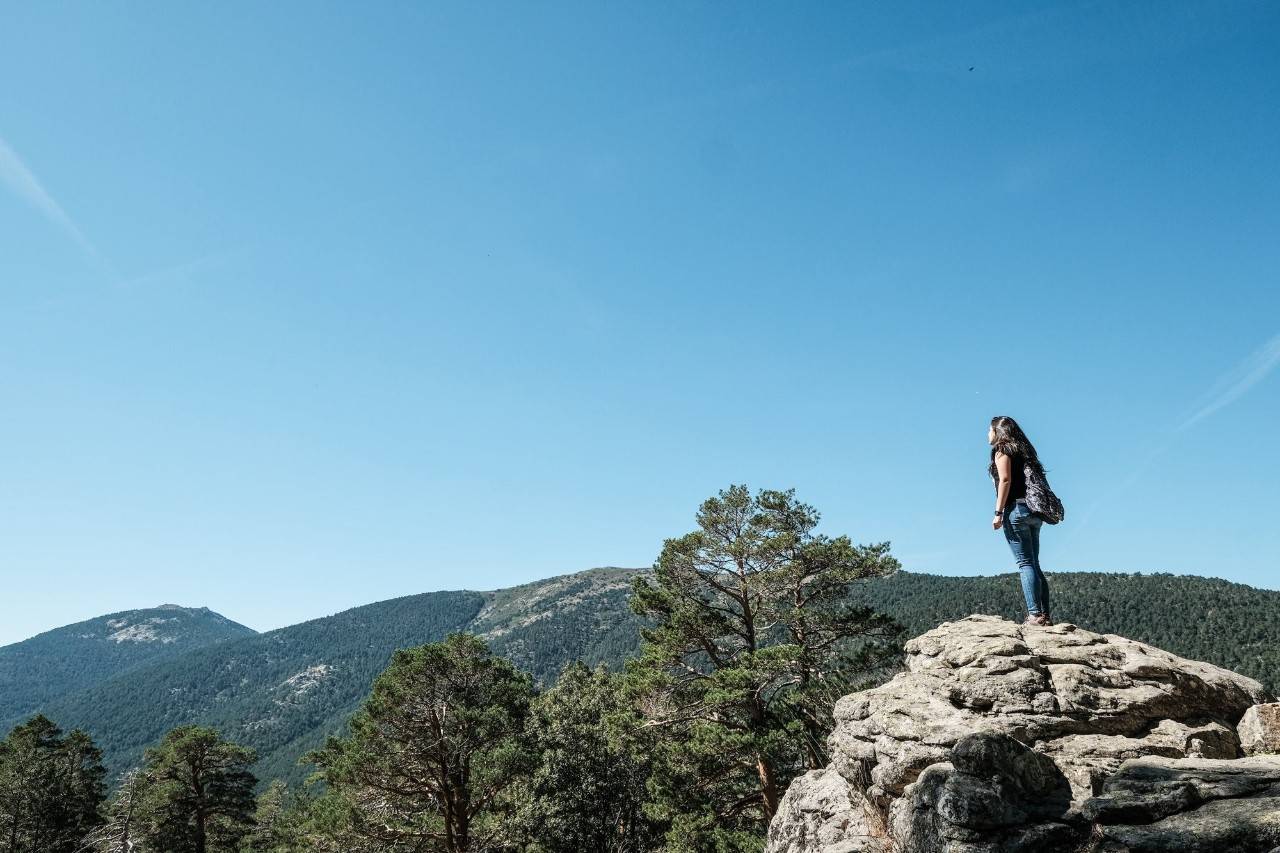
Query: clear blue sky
[{"x": 307, "y": 306}]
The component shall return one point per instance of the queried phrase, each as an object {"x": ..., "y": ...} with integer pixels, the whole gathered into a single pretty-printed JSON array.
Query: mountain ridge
[
  {"x": 283, "y": 691},
  {"x": 92, "y": 651}
]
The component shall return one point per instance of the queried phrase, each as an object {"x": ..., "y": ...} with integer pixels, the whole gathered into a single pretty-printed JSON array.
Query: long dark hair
[{"x": 1012, "y": 441}]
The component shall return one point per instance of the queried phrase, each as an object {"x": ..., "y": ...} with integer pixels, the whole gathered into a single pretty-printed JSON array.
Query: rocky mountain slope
[
  {"x": 278, "y": 691},
  {"x": 1002, "y": 738},
  {"x": 80, "y": 656},
  {"x": 282, "y": 692},
  {"x": 542, "y": 626}
]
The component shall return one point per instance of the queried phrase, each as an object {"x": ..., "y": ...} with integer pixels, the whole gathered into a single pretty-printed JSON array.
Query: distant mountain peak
[{"x": 76, "y": 657}]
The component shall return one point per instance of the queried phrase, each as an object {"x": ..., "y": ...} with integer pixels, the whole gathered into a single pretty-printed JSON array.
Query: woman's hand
[{"x": 997, "y": 522}]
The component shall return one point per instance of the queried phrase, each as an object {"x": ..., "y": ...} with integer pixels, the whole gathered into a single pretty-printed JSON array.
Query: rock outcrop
[
  {"x": 1001, "y": 738},
  {"x": 826, "y": 813},
  {"x": 1260, "y": 730}
]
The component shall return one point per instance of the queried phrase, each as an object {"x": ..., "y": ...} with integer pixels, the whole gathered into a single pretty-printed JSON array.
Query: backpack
[{"x": 1040, "y": 498}]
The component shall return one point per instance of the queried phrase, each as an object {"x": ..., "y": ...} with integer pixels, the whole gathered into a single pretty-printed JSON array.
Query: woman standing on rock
[{"x": 1011, "y": 454}]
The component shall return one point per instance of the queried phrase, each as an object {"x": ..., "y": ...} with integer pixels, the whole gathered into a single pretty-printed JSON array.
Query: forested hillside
[
  {"x": 1229, "y": 624},
  {"x": 266, "y": 691},
  {"x": 1208, "y": 619},
  {"x": 75, "y": 657},
  {"x": 282, "y": 692},
  {"x": 542, "y": 626}
]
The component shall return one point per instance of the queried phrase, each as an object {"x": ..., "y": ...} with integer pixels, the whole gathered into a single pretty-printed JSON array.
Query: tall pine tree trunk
[
  {"x": 201, "y": 819},
  {"x": 768, "y": 786},
  {"x": 461, "y": 819}
]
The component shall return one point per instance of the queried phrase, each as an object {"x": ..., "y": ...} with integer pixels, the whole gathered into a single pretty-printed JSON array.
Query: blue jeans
[{"x": 1022, "y": 531}]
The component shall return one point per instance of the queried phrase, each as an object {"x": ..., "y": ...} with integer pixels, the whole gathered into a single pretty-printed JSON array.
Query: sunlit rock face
[
  {"x": 997, "y": 736},
  {"x": 1260, "y": 730}
]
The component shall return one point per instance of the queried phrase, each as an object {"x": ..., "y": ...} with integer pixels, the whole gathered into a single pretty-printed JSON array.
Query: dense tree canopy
[
  {"x": 51, "y": 786},
  {"x": 587, "y": 790}
]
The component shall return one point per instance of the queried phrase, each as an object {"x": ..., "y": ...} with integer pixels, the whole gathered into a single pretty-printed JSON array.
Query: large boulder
[
  {"x": 996, "y": 795},
  {"x": 1090, "y": 701},
  {"x": 996, "y": 736},
  {"x": 821, "y": 812}
]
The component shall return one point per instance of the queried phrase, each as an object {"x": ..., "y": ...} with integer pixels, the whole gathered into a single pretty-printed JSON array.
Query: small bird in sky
[{"x": 970, "y": 67}]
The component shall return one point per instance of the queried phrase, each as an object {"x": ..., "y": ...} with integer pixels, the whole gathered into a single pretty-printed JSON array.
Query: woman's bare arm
[{"x": 1003, "y": 470}]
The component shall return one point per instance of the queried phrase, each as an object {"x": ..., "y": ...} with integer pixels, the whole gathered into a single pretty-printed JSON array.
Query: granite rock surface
[{"x": 1000, "y": 737}]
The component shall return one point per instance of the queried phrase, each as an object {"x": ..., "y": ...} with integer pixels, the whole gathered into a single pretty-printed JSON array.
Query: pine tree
[
  {"x": 434, "y": 750},
  {"x": 199, "y": 796},
  {"x": 51, "y": 787},
  {"x": 589, "y": 788},
  {"x": 756, "y": 629},
  {"x": 272, "y": 831},
  {"x": 325, "y": 823}
]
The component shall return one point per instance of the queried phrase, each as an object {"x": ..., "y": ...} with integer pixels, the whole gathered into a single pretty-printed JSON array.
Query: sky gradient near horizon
[{"x": 304, "y": 306}]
